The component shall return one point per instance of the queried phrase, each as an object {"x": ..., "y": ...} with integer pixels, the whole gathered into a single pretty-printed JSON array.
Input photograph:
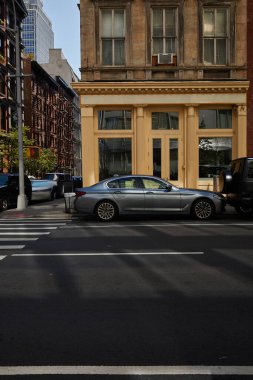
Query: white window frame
[
  {"x": 215, "y": 38},
  {"x": 113, "y": 38},
  {"x": 164, "y": 37}
]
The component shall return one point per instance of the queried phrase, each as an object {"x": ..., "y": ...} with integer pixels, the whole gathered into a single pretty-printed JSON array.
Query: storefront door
[{"x": 166, "y": 157}]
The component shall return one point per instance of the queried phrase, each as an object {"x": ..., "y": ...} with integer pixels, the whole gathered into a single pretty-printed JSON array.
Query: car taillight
[{"x": 79, "y": 193}]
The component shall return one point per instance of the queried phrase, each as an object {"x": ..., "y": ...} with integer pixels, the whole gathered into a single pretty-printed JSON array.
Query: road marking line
[
  {"x": 108, "y": 254},
  {"x": 157, "y": 225},
  {"x": 125, "y": 370},
  {"x": 27, "y": 228},
  {"x": 33, "y": 224},
  {"x": 24, "y": 233},
  {"x": 18, "y": 239},
  {"x": 2, "y": 257},
  {"x": 12, "y": 246}
]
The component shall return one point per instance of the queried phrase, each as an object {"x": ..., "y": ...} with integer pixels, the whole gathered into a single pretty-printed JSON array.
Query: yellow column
[
  {"x": 88, "y": 148},
  {"x": 241, "y": 130},
  {"x": 191, "y": 165},
  {"x": 141, "y": 142}
]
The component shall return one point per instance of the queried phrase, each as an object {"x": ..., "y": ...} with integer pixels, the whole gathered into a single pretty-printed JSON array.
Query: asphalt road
[{"x": 136, "y": 297}]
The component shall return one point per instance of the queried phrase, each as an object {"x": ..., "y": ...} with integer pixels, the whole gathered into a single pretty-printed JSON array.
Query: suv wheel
[
  {"x": 244, "y": 210},
  {"x": 4, "y": 204}
]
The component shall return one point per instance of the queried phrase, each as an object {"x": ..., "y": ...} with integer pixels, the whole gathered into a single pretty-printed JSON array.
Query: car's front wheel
[
  {"x": 4, "y": 204},
  {"x": 106, "y": 211},
  {"x": 202, "y": 209}
]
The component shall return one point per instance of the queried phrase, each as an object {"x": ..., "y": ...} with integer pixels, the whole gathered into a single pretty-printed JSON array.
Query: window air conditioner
[{"x": 165, "y": 59}]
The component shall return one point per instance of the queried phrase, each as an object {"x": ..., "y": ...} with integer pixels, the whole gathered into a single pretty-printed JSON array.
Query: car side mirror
[{"x": 168, "y": 187}]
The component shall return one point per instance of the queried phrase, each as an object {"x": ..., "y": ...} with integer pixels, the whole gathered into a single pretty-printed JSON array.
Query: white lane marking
[
  {"x": 27, "y": 227},
  {"x": 158, "y": 225},
  {"x": 18, "y": 239},
  {"x": 2, "y": 257},
  {"x": 126, "y": 370},
  {"x": 12, "y": 246},
  {"x": 33, "y": 224},
  {"x": 108, "y": 253},
  {"x": 24, "y": 233}
]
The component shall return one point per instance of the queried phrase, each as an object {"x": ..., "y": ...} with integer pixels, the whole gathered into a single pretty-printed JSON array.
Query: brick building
[
  {"x": 8, "y": 107},
  {"x": 49, "y": 113},
  {"x": 163, "y": 88}
]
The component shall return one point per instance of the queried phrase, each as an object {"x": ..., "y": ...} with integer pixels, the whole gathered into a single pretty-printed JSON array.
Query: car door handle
[{"x": 117, "y": 192}]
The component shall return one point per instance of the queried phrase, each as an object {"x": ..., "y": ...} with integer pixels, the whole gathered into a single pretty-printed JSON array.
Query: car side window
[
  {"x": 113, "y": 184},
  {"x": 150, "y": 183},
  {"x": 130, "y": 183}
]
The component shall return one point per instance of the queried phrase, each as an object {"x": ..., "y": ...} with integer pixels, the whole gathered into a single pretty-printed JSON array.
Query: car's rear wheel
[
  {"x": 202, "y": 209},
  {"x": 106, "y": 211},
  {"x": 4, "y": 204}
]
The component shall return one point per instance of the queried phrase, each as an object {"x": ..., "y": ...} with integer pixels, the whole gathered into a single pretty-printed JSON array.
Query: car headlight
[{"x": 219, "y": 196}]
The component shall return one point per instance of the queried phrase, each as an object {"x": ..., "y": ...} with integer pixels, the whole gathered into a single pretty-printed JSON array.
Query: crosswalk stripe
[
  {"x": 2, "y": 257},
  {"x": 26, "y": 228},
  {"x": 126, "y": 370},
  {"x": 24, "y": 233},
  {"x": 33, "y": 224},
  {"x": 12, "y": 246},
  {"x": 18, "y": 239}
]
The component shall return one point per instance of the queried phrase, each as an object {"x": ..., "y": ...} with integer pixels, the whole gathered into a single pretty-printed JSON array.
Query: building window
[
  {"x": 164, "y": 120},
  {"x": 114, "y": 120},
  {"x": 164, "y": 30},
  {"x": 212, "y": 119},
  {"x": 113, "y": 37},
  {"x": 215, "y": 36},
  {"x": 115, "y": 157},
  {"x": 215, "y": 155}
]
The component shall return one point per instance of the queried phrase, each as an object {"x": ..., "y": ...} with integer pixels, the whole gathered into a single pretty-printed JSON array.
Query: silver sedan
[
  {"x": 43, "y": 189},
  {"x": 142, "y": 194}
]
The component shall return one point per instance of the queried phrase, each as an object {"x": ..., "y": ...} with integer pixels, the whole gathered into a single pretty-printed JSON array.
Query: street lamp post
[{"x": 22, "y": 200}]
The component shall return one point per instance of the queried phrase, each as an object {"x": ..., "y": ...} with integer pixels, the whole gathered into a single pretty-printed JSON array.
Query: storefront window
[
  {"x": 114, "y": 120},
  {"x": 173, "y": 159},
  {"x": 211, "y": 119},
  {"x": 215, "y": 155},
  {"x": 115, "y": 157},
  {"x": 157, "y": 157},
  {"x": 164, "y": 120}
]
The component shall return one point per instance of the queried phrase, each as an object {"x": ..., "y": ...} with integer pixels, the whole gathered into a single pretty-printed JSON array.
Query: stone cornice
[{"x": 144, "y": 88}]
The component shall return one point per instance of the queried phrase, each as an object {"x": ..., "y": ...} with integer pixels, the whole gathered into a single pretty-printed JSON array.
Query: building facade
[
  {"x": 49, "y": 106},
  {"x": 9, "y": 18},
  {"x": 37, "y": 33},
  {"x": 59, "y": 66},
  {"x": 163, "y": 88}
]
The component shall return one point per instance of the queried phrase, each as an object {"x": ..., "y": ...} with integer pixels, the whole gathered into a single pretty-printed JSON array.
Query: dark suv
[
  {"x": 237, "y": 183},
  {"x": 9, "y": 190}
]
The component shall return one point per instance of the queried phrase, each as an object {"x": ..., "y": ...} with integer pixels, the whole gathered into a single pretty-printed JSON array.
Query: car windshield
[
  {"x": 3, "y": 180},
  {"x": 49, "y": 176}
]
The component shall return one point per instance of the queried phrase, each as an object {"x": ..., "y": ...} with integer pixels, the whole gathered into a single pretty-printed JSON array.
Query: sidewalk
[{"x": 53, "y": 209}]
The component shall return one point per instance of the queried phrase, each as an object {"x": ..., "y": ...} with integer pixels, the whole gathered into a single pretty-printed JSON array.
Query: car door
[
  {"x": 161, "y": 197},
  {"x": 128, "y": 193}
]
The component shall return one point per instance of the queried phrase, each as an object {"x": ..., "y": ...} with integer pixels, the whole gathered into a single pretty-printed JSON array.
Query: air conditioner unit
[{"x": 165, "y": 59}]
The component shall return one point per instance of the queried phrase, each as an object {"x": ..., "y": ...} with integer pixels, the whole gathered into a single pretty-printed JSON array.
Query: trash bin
[
  {"x": 69, "y": 202},
  {"x": 216, "y": 183}
]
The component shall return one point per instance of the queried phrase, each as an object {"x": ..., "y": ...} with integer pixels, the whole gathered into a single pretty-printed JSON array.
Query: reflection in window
[
  {"x": 211, "y": 119},
  {"x": 115, "y": 157},
  {"x": 250, "y": 169},
  {"x": 173, "y": 159},
  {"x": 114, "y": 119},
  {"x": 215, "y": 35},
  {"x": 164, "y": 120},
  {"x": 157, "y": 157},
  {"x": 215, "y": 154}
]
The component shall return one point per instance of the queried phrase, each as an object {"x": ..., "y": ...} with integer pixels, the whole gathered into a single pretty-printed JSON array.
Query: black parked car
[
  {"x": 9, "y": 190},
  {"x": 237, "y": 183}
]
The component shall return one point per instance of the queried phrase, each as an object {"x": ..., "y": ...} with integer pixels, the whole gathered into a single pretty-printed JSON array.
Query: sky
[{"x": 65, "y": 18}]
